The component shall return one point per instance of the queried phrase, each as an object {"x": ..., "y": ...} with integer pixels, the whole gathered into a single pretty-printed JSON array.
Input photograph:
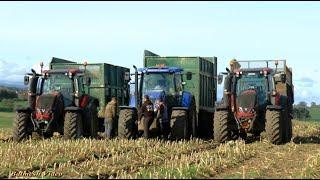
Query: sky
[{"x": 119, "y": 32}]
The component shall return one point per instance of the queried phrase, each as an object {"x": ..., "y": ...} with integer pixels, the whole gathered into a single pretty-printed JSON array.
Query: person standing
[
  {"x": 234, "y": 65},
  {"x": 147, "y": 112},
  {"x": 110, "y": 117},
  {"x": 162, "y": 116}
]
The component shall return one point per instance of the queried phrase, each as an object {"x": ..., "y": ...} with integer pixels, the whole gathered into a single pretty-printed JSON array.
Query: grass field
[
  {"x": 87, "y": 158},
  {"x": 6, "y": 119},
  {"x": 315, "y": 113}
]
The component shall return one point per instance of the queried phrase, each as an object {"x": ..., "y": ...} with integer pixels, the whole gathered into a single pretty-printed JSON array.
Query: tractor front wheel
[
  {"x": 22, "y": 126},
  {"x": 73, "y": 127},
  {"x": 127, "y": 127},
  {"x": 220, "y": 126},
  {"x": 274, "y": 126},
  {"x": 179, "y": 124}
]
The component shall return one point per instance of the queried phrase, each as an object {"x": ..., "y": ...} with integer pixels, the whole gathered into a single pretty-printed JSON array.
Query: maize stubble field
[{"x": 118, "y": 158}]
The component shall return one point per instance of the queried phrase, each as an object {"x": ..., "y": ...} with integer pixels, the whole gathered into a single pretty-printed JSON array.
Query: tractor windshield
[
  {"x": 158, "y": 82},
  {"x": 59, "y": 83},
  {"x": 253, "y": 81}
]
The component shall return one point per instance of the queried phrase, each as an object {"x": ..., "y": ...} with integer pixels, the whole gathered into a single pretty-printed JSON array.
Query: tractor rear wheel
[
  {"x": 274, "y": 126},
  {"x": 22, "y": 126},
  {"x": 92, "y": 121},
  {"x": 127, "y": 124},
  {"x": 73, "y": 127},
  {"x": 220, "y": 126},
  {"x": 179, "y": 124}
]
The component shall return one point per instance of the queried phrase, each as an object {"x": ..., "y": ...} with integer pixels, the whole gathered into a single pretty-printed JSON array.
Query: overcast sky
[{"x": 118, "y": 32}]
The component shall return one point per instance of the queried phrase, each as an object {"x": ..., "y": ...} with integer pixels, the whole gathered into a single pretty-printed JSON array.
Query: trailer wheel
[
  {"x": 290, "y": 129},
  {"x": 193, "y": 119},
  {"x": 285, "y": 122},
  {"x": 179, "y": 124},
  {"x": 73, "y": 127},
  {"x": 274, "y": 126},
  {"x": 288, "y": 125},
  {"x": 126, "y": 125},
  {"x": 22, "y": 126},
  {"x": 220, "y": 126}
]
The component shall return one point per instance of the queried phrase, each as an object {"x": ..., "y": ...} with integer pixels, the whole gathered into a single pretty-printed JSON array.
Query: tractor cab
[
  {"x": 161, "y": 82},
  {"x": 71, "y": 83},
  {"x": 51, "y": 92}
]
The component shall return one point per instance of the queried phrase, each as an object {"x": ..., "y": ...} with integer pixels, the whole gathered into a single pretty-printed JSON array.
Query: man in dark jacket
[
  {"x": 162, "y": 116},
  {"x": 147, "y": 112},
  {"x": 110, "y": 117}
]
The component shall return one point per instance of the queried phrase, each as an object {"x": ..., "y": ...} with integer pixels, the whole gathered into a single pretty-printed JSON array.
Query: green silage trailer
[
  {"x": 203, "y": 84},
  {"x": 107, "y": 80}
]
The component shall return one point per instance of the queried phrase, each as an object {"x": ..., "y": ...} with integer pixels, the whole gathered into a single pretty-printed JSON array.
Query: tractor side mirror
[
  {"x": 283, "y": 78},
  {"x": 189, "y": 75},
  {"x": 26, "y": 80},
  {"x": 87, "y": 81},
  {"x": 220, "y": 78}
]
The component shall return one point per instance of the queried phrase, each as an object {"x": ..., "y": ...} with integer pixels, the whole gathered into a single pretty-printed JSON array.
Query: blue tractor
[{"x": 165, "y": 83}]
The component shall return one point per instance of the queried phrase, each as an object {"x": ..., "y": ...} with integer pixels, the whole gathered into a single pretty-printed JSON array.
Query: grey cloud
[{"x": 11, "y": 71}]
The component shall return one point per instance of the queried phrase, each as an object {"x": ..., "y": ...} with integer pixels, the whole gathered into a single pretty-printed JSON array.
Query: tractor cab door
[{"x": 80, "y": 95}]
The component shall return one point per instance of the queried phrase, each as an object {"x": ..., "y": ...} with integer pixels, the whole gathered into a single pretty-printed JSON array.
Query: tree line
[
  {"x": 11, "y": 98},
  {"x": 301, "y": 111}
]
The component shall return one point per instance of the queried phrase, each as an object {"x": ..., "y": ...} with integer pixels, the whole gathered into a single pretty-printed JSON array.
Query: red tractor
[
  {"x": 58, "y": 102},
  {"x": 256, "y": 98}
]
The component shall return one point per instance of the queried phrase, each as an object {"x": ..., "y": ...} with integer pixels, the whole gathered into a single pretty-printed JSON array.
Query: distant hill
[{"x": 12, "y": 85}]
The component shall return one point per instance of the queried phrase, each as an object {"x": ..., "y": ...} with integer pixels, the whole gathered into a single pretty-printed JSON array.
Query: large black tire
[
  {"x": 286, "y": 128},
  {"x": 22, "y": 126},
  {"x": 179, "y": 124},
  {"x": 73, "y": 126},
  {"x": 127, "y": 127},
  {"x": 274, "y": 126},
  {"x": 221, "y": 129},
  {"x": 91, "y": 122},
  {"x": 289, "y": 129},
  {"x": 193, "y": 119}
]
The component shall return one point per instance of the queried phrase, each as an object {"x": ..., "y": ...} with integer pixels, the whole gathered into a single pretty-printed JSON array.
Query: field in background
[
  {"x": 6, "y": 119},
  {"x": 10, "y": 105},
  {"x": 118, "y": 158},
  {"x": 315, "y": 113}
]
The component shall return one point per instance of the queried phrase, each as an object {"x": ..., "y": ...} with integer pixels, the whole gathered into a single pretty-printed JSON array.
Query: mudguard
[
  {"x": 180, "y": 108},
  {"x": 128, "y": 107},
  {"x": 24, "y": 109},
  {"x": 283, "y": 101},
  {"x": 186, "y": 99},
  {"x": 222, "y": 107},
  {"x": 73, "y": 109},
  {"x": 274, "y": 107},
  {"x": 92, "y": 101}
]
